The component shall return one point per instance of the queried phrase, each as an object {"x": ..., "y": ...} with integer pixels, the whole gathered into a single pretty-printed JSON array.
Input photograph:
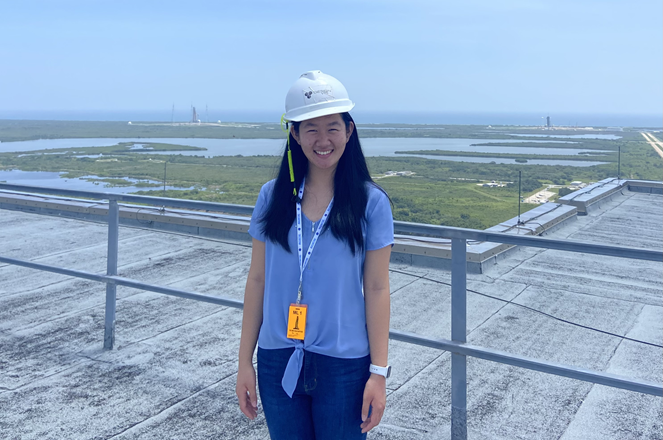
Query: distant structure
[
  {"x": 194, "y": 118},
  {"x": 547, "y": 121}
]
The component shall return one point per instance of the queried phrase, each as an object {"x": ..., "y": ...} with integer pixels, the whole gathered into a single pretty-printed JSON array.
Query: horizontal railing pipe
[
  {"x": 130, "y": 198},
  {"x": 600, "y": 378},
  {"x": 120, "y": 281},
  {"x": 528, "y": 240},
  {"x": 127, "y": 282},
  {"x": 457, "y": 348},
  {"x": 54, "y": 269},
  {"x": 406, "y": 227},
  {"x": 441, "y": 344}
]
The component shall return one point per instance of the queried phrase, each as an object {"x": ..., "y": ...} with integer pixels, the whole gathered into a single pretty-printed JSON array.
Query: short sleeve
[
  {"x": 379, "y": 220},
  {"x": 255, "y": 228}
]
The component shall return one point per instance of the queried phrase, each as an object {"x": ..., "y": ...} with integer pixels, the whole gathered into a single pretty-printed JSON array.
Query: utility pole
[
  {"x": 520, "y": 174},
  {"x": 619, "y": 162}
]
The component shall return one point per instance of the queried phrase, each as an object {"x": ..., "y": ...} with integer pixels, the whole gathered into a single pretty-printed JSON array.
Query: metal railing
[{"x": 457, "y": 345}]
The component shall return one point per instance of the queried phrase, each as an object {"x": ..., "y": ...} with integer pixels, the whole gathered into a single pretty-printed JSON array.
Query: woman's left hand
[{"x": 375, "y": 398}]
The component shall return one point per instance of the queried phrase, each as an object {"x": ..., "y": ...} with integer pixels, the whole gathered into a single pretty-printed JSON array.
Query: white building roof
[{"x": 173, "y": 370}]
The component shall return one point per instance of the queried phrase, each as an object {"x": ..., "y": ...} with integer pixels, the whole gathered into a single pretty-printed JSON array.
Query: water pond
[
  {"x": 570, "y": 163},
  {"x": 611, "y": 137},
  {"x": 371, "y": 146},
  {"x": 272, "y": 147},
  {"x": 85, "y": 183}
]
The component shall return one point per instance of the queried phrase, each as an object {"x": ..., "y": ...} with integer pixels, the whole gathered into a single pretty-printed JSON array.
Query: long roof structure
[{"x": 172, "y": 372}]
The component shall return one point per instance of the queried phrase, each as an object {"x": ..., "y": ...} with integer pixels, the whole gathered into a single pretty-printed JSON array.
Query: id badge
[{"x": 297, "y": 321}]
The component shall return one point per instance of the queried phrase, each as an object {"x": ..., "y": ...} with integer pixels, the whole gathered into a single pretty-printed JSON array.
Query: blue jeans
[{"x": 326, "y": 404}]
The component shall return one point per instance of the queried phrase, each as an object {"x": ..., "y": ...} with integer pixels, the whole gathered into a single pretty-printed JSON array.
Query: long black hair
[{"x": 351, "y": 185}]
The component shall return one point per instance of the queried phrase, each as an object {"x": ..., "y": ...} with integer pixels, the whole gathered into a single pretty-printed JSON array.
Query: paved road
[{"x": 658, "y": 145}]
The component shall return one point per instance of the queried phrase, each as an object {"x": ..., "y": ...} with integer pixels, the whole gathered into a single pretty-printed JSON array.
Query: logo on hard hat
[{"x": 319, "y": 95}]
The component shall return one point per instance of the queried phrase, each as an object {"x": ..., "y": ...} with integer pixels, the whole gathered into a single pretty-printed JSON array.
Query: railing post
[
  {"x": 458, "y": 334},
  {"x": 111, "y": 269}
]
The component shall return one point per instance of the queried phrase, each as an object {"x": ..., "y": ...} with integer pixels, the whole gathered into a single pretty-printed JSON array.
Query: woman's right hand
[{"x": 246, "y": 390}]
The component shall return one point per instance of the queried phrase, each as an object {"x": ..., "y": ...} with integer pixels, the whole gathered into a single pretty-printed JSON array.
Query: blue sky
[{"x": 397, "y": 56}]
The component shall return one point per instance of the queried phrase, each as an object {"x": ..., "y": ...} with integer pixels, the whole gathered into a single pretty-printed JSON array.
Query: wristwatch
[{"x": 382, "y": 371}]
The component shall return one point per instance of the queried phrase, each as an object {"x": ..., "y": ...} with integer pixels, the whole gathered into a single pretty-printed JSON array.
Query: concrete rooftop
[{"x": 172, "y": 374}]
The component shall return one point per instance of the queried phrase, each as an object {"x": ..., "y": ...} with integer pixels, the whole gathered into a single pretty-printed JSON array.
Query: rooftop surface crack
[
  {"x": 65, "y": 252},
  {"x": 442, "y": 353},
  {"x": 171, "y": 407},
  {"x": 94, "y": 359},
  {"x": 404, "y": 429},
  {"x": 498, "y": 310},
  {"x": 525, "y": 260},
  {"x": 81, "y": 248},
  {"x": 417, "y": 278},
  {"x": 567, "y": 290},
  {"x": 224, "y": 308},
  {"x": 232, "y": 243},
  {"x": 593, "y": 385},
  {"x": 57, "y": 373}
]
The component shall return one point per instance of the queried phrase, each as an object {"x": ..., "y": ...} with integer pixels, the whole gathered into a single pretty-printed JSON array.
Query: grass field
[{"x": 461, "y": 204}]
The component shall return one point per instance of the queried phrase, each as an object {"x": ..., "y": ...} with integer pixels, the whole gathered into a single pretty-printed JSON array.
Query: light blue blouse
[{"x": 332, "y": 286}]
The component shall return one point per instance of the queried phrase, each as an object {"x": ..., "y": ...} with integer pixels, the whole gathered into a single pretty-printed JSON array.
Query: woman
[{"x": 317, "y": 293}]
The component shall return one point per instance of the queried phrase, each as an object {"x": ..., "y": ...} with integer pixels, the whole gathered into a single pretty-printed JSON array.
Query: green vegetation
[
  {"x": 31, "y": 130},
  {"x": 11, "y": 130},
  {"x": 438, "y": 192},
  {"x": 427, "y": 197},
  {"x": 460, "y": 204},
  {"x": 638, "y": 161},
  {"x": 564, "y": 192}
]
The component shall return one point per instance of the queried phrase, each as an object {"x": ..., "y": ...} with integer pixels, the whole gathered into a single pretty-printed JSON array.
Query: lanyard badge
[
  {"x": 297, "y": 311},
  {"x": 297, "y": 321}
]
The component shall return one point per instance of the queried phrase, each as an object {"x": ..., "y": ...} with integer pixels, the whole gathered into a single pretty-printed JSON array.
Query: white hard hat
[{"x": 316, "y": 94}]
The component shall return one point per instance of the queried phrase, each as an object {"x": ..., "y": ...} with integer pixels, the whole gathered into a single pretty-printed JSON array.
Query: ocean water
[{"x": 364, "y": 117}]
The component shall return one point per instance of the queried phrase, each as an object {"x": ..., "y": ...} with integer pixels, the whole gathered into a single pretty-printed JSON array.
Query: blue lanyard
[{"x": 314, "y": 240}]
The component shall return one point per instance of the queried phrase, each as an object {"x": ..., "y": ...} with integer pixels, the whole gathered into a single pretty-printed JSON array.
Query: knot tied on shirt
[{"x": 292, "y": 370}]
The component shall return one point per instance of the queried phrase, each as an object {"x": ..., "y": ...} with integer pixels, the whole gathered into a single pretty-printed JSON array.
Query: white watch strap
[{"x": 382, "y": 371}]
